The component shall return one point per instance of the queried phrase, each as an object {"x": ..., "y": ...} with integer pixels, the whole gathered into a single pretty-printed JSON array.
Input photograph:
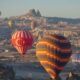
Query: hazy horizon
[{"x": 48, "y": 8}]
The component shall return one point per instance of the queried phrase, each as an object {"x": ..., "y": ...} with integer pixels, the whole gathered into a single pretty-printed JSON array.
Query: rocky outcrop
[
  {"x": 38, "y": 13},
  {"x": 34, "y": 13}
]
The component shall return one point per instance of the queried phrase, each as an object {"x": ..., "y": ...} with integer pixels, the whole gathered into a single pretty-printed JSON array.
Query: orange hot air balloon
[
  {"x": 53, "y": 52},
  {"x": 22, "y": 40}
]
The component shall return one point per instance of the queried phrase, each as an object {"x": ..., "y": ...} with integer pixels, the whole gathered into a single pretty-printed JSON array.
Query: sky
[{"x": 49, "y": 8}]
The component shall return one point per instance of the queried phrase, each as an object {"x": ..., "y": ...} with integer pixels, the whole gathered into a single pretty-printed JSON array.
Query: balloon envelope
[
  {"x": 10, "y": 23},
  {"x": 53, "y": 52},
  {"x": 22, "y": 40}
]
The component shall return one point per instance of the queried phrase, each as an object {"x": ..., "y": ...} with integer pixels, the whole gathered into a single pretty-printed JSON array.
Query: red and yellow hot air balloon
[
  {"x": 53, "y": 52},
  {"x": 22, "y": 40}
]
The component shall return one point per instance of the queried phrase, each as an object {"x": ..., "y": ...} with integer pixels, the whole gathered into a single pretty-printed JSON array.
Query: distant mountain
[{"x": 68, "y": 20}]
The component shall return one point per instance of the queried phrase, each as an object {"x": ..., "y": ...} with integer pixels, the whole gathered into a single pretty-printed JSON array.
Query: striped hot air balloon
[
  {"x": 22, "y": 40},
  {"x": 53, "y": 52}
]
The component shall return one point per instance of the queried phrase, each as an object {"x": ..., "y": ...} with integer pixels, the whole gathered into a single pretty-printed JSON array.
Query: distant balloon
[
  {"x": 22, "y": 41},
  {"x": 33, "y": 24},
  {"x": 10, "y": 23},
  {"x": 53, "y": 52}
]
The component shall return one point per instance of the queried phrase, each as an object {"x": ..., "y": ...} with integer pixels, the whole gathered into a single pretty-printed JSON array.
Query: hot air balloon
[
  {"x": 22, "y": 40},
  {"x": 53, "y": 52},
  {"x": 33, "y": 24},
  {"x": 11, "y": 23}
]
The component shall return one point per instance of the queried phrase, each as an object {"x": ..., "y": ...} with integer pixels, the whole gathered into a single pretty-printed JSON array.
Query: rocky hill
[
  {"x": 68, "y": 20},
  {"x": 34, "y": 13}
]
